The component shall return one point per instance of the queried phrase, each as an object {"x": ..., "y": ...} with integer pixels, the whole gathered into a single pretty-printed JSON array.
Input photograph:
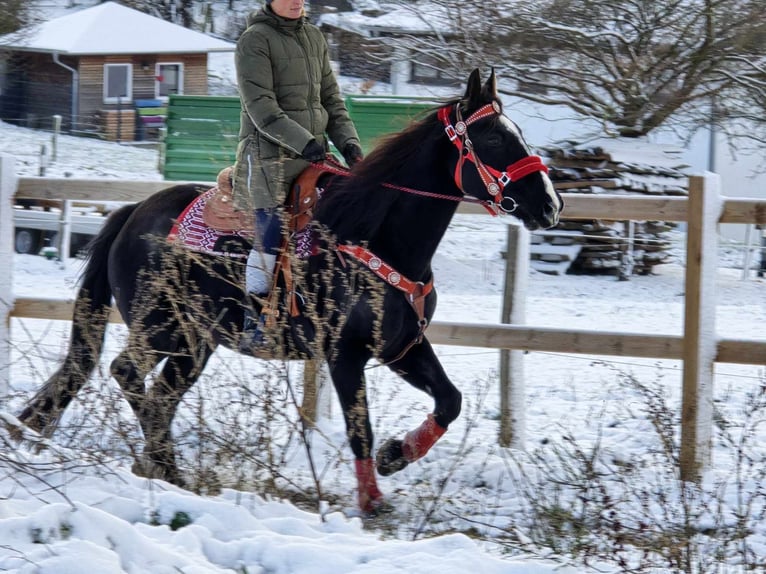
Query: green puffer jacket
[{"x": 289, "y": 95}]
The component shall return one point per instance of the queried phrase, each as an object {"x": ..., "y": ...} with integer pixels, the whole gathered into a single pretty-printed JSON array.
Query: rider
[{"x": 290, "y": 98}]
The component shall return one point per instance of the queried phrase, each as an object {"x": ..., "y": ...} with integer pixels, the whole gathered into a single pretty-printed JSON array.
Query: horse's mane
[{"x": 356, "y": 205}]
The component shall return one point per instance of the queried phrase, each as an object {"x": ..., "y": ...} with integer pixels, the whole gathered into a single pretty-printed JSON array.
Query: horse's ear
[
  {"x": 473, "y": 89},
  {"x": 489, "y": 91}
]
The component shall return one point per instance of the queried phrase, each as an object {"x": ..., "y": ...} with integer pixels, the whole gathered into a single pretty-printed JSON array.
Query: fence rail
[
  {"x": 697, "y": 348},
  {"x": 578, "y": 205}
]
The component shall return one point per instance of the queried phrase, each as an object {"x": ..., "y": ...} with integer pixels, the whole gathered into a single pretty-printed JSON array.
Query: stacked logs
[{"x": 609, "y": 166}]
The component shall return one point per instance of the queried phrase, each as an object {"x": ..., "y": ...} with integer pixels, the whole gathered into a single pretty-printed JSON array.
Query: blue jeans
[{"x": 268, "y": 231}]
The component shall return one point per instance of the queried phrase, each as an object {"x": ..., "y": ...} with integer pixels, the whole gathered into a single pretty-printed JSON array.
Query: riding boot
[
  {"x": 259, "y": 273},
  {"x": 258, "y": 278}
]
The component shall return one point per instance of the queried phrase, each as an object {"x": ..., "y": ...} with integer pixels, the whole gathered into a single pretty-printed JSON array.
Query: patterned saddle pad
[
  {"x": 194, "y": 230},
  {"x": 191, "y": 232}
]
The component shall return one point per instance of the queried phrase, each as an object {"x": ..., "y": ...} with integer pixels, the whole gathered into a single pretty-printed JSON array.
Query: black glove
[
  {"x": 313, "y": 152},
  {"x": 353, "y": 154}
]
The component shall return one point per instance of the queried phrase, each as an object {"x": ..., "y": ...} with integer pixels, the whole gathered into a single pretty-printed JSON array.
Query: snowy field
[{"x": 90, "y": 514}]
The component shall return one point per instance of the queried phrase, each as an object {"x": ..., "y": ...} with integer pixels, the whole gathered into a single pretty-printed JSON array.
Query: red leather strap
[
  {"x": 415, "y": 289},
  {"x": 494, "y": 180}
]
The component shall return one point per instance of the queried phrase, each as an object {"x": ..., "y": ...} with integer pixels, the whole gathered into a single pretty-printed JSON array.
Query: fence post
[
  {"x": 699, "y": 342},
  {"x": 762, "y": 268},
  {"x": 310, "y": 390},
  {"x": 627, "y": 258},
  {"x": 161, "y": 149},
  {"x": 749, "y": 248},
  {"x": 65, "y": 232},
  {"x": 7, "y": 191},
  {"x": 55, "y": 137},
  {"x": 317, "y": 388},
  {"x": 512, "y": 388},
  {"x": 43, "y": 161}
]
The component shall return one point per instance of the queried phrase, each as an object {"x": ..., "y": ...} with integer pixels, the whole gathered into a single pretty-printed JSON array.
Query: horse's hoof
[
  {"x": 390, "y": 458},
  {"x": 14, "y": 430},
  {"x": 150, "y": 469},
  {"x": 206, "y": 482},
  {"x": 23, "y": 435},
  {"x": 379, "y": 508}
]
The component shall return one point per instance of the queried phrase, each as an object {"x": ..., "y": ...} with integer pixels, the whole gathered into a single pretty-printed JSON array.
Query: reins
[
  {"x": 495, "y": 182},
  {"x": 488, "y": 205}
]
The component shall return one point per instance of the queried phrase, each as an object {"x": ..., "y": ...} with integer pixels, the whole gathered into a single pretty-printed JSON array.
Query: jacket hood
[{"x": 267, "y": 15}]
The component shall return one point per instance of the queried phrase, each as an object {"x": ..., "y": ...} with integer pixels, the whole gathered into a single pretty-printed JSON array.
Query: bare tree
[
  {"x": 634, "y": 65},
  {"x": 224, "y": 18},
  {"x": 177, "y": 11},
  {"x": 14, "y": 15}
]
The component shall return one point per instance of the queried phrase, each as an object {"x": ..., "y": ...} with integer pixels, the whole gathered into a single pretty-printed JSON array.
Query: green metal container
[
  {"x": 202, "y": 131},
  {"x": 378, "y": 116}
]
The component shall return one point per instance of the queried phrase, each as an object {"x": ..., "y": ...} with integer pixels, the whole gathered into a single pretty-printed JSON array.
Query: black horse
[{"x": 368, "y": 285}]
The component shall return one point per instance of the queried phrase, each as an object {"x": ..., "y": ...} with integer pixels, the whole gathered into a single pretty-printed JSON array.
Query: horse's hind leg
[
  {"x": 178, "y": 375},
  {"x": 155, "y": 408},
  {"x": 130, "y": 369},
  {"x": 43, "y": 411},
  {"x": 421, "y": 368}
]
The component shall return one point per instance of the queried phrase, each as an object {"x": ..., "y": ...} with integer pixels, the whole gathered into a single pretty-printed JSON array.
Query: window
[
  {"x": 118, "y": 86},
  {"x": 170, "y": 80}
]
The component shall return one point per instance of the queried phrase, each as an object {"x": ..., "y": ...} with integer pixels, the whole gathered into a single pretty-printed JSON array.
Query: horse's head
[{"x": 493, "y": 161}]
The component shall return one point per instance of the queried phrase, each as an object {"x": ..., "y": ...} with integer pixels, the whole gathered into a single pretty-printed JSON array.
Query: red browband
[{"x": 494, "y": 180}]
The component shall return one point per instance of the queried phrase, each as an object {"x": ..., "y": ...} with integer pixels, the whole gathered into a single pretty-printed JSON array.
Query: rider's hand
[
  {"x": 313, "y": 152},
  {"x": 353, "y": 154}
]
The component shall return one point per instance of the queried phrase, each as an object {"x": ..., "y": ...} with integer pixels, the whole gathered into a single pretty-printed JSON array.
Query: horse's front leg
[
  {"x": 347, "y": 373},
  {"x": 421, "y": 368}
]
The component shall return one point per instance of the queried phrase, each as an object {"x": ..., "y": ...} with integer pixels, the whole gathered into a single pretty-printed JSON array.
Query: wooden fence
[{"x": 698, "y": 348}]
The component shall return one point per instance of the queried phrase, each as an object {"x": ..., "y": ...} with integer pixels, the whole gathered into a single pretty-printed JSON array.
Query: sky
[{"x": 82, "y": 510}]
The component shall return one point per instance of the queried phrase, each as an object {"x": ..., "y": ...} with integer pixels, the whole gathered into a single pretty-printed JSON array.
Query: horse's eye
[{"x": 495, "y": 140}]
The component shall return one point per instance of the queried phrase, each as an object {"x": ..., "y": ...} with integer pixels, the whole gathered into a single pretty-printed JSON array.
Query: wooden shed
[{"x": 107, "y": 70}]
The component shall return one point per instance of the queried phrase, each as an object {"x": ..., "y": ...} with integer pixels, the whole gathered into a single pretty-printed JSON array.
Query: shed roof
[{"x": 112, "y": 29}]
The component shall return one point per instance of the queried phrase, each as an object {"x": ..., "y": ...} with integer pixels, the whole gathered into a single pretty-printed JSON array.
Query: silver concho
[
  {"x": 493, "y": 189},
  {"x": 394, "y": 278},
  {"x": 375, "y": 263},
  {"x": 460, "y": 128}
]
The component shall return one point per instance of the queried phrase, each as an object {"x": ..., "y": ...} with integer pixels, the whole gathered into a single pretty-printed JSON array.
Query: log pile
[{"x": 609, "y": 166}]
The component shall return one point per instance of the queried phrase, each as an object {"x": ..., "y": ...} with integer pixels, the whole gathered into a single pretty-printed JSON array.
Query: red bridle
[{"x": 495, "y": 181}]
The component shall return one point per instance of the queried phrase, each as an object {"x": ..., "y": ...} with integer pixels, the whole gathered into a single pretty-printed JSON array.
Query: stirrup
[{"x": 253, "y": 335}]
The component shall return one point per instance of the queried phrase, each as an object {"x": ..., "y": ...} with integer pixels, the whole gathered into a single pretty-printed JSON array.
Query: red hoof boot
[
  {"x": 418, "y": 442},
  {"x": 369, "y": 496}
]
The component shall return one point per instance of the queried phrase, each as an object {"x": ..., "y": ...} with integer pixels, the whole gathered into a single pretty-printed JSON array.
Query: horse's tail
[{"x": 91, "y": 315}]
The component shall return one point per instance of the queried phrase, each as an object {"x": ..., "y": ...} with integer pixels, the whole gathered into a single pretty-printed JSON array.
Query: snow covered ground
[
  {"x": 81, "y": 513},
  {"x": 77, "y": 508}
]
